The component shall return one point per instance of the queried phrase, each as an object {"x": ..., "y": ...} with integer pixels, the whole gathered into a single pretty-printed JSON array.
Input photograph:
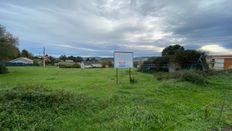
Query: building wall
[
  {"x": 228, "y": 63},
  {"x": 219, "y": 63}
]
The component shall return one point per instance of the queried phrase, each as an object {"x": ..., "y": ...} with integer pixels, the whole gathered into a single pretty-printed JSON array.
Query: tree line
[{"x": 177, "y": 54}]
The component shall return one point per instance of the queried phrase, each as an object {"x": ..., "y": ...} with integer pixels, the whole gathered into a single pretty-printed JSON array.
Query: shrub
[
  {"x": 192, "y": 76},
  {"x": 107, "y": 64},
  {"x": 3, "y": 69},
  {"x": 69, "y": 65},
  {"x": 64, "y": 66},
  {"x": 76, "y": 66}
]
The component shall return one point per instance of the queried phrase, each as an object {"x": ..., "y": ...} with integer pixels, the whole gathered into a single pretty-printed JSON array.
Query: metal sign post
[{"x": 123, "y": 60}]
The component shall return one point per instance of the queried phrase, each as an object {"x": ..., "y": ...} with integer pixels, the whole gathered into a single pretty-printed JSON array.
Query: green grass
[{"x": 149, "y": 104}]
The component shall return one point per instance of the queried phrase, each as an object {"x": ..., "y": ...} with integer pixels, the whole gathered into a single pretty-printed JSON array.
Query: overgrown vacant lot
[{"x": 77, "y": 99}]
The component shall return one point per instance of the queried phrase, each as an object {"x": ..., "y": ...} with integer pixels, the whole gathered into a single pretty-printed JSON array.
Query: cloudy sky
[{"x": 99, "y": 27}]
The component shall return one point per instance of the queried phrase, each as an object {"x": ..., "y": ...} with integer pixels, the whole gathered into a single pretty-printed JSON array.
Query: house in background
[
  {"x": 69, "y": 61},
  {"x": 220, "y": 62},
  {"x": 89, "y": 64},
  {"x": 21, "y": 60},
  {"x": 138, "y": 61},
  {"x": 96, "y": 65}
]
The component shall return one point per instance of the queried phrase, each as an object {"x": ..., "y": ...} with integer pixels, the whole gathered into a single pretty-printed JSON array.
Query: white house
[
  {"x": 220, "y": 62},
  {"x": 22, "y": 60},
  {"x": 97, "y": 65},
  {"x": 69, "y": 61},
  {"x": 90, "y": 65}
]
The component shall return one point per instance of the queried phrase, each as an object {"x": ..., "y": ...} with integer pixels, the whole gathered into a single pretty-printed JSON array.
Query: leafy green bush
[
  {"x": 76, "y": 66},
  {"x": 36, "y": 108},
  {"x": 64, "y": 66},
  {"x": 69, "y": 65},
  {"x": 3, "y": 69},
  {"x": 192, "y": 76}
]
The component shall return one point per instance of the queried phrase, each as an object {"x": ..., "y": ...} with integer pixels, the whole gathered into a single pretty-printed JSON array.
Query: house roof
[
  {"x": 23, "y": 59},
  {"x": 221, "y": 56}
]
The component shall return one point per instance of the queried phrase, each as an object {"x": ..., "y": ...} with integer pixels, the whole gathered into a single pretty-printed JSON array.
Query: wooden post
[{"x": 116, "y": 75}]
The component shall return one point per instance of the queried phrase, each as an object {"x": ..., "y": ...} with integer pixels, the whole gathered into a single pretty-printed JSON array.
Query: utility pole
[{"x": 44, "y": 57}]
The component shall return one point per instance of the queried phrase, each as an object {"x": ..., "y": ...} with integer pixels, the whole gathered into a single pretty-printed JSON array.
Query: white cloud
[
  {"x": 215, "y": 49},
  {"x": 151, "y": 48}
]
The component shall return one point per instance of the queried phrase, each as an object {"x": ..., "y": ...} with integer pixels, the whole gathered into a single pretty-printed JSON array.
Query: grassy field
[{"x": 89, "y": 99}]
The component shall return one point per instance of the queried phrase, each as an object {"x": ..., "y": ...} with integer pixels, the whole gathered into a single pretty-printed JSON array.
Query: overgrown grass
[
  {"x": 220, "y": 73},
  {"x": 37, "y": 108},
  {"x": 96, "y": 102}
]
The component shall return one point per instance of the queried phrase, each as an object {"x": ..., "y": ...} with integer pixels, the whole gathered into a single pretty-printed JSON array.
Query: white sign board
[{"x": 123, "y": 59}]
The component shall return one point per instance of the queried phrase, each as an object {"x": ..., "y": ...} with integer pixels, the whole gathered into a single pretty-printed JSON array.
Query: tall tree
[
  {"x": 75, "y": 59},
  {"x": 79, "y": 59},
  {"x": 26, "y": 53},
  {"x": 8, "y": 45},
  {"x": 63, "y": 57},
  {"x": 71, "y": 58},
  {"x": 171, "y": 50}
]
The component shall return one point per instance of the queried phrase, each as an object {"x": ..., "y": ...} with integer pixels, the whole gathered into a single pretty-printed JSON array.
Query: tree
[
  {"x": 71, "y": 58},
  {"x": 52, "y": 60},
  {"x": 8, "y": 48},
  {"x": 161, "y": 62},
  {"x": 8, "y": 45},
  {"x": 26, "y": 53},
  {"x": 190, "y": 58},
  {"x": 185, "y": 58},
  {"x": 88, "y": 59},
  {"x": 171, "y": 50},
  {"x": 63, "y": 57},
  {"x": 79, "y": 59},
  {"x": 107, "y": 62},
  {"x": 18, "y": 53},
  {"x": 75, "y": 59}
]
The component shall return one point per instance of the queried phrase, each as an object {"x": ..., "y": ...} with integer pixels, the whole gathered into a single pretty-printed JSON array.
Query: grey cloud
[{"x": 97, "y": 27}]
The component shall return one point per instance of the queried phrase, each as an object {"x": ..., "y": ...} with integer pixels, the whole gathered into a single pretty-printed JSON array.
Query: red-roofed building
[{"x": 220, "y": 62}]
